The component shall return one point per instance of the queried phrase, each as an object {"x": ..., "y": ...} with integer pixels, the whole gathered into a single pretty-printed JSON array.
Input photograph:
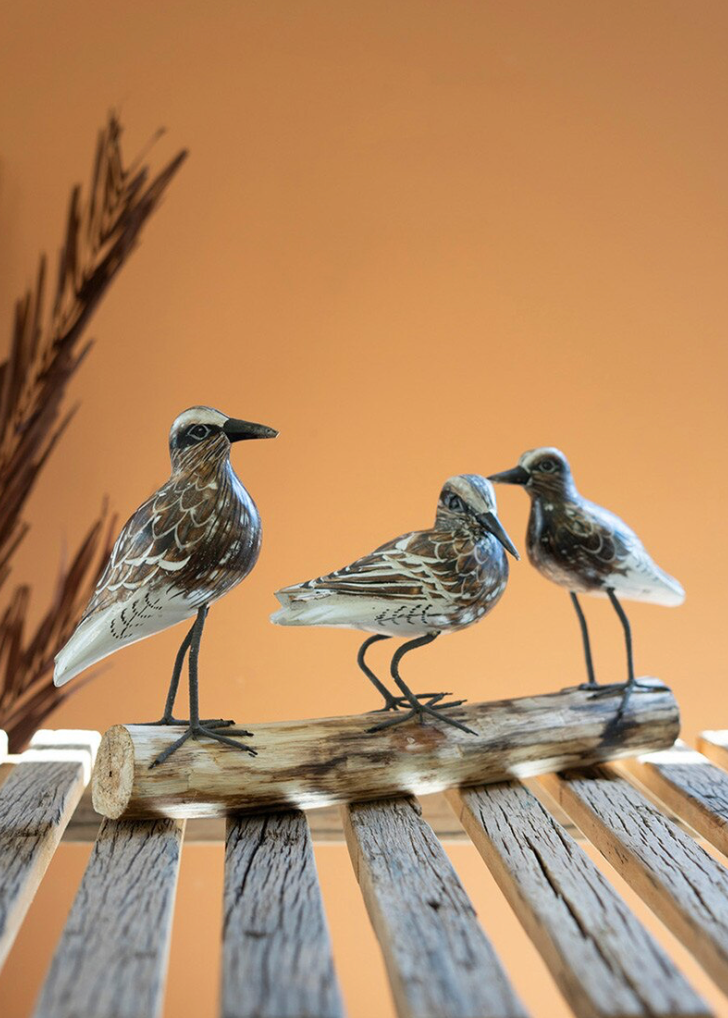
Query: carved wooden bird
[
  {"x": 586, "y": 549},
  {"x": 419, "y": 585},
  {"x": 194, "y": 540}
]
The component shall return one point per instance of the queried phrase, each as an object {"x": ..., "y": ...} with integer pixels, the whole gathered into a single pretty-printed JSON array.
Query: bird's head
[
  {"x": 201, "y": 434},
  {"x": 543, "y": 471},
  {"x": 469, "y": 500}
]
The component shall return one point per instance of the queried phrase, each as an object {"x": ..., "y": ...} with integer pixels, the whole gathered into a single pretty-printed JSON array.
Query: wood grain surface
[
  {"x": 111, "y": 960},
  {"x": 309, "y": 764},
  {"x": 604, "y": 961},
  {"x": 277, "y": 960},
  {"x": 37, "y": 799},
  {"x": 685, "y": 887},
  {"x": 439, "y": 961}
]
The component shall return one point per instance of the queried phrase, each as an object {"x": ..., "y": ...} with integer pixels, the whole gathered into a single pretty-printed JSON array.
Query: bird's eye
[
  {"x": 548, "y": 466},
  {"x": 199, "y": 432},
  {"x": 455, "y": 504}
]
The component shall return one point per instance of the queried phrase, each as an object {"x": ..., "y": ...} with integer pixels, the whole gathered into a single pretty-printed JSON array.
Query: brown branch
[{"x": 45, "y": 353}]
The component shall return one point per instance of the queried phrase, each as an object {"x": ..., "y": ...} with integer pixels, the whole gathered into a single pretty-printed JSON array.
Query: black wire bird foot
[
  {"x": 421, "y": 711},
  {"x": 178, "y": 722},
  {"x": 199, "y": 731},
  {"x": 397, "y": 702},
  {"x": 629, "y": 687}
]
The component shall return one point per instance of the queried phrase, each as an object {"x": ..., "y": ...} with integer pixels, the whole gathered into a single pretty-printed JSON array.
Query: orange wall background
[{"x": 418, "y": 238}]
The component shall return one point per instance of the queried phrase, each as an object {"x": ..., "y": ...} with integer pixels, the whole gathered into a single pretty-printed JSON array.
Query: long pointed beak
[
  {"x": 241, "y": 431},
  {"x": 491, "y": 523},
  {"x": 515, "y": 476}
]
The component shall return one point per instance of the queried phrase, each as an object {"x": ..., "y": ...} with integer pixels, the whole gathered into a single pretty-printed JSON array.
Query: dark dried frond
[{"x": 45, "y": 352}]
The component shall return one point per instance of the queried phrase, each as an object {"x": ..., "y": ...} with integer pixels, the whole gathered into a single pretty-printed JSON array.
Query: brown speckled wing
[{"x": 154, "y": 545}]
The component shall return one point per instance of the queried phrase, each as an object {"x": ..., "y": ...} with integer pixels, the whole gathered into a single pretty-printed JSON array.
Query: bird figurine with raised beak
[
  {"x": 587, "y": 550},
  {"x": 189, "y": 544},
  {"x": 417, "y": 586}
]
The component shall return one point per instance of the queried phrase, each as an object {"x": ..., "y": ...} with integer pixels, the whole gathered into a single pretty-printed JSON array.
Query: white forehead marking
[
  {"x": 474, "y": 490},
  {"x": 198, "y": 415},
  {"x": 533, "y": 455}
]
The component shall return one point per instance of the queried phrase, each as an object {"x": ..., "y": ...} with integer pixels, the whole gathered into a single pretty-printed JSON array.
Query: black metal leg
[
  {"x": 591, "y": 682},
  {"x": 390, "y": 702},
  {"x": 417, "y": 708},
  {"x": 196, "y": 728},
  {"x": 627, "y": 635},
  {"x": 168, "y": 717}
]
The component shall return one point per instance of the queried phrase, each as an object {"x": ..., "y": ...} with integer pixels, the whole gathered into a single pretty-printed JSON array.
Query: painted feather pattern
[
  {"x": 441, "y": 579},
  {"x": 187, "y": 546}
]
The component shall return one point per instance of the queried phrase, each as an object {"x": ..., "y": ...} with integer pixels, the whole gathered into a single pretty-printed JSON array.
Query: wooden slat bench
[{"x": 646, "y": 816}]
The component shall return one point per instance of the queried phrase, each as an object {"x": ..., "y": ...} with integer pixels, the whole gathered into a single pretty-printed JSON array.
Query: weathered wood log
[
  {"x": 37, "y": 800},
  {"x": 276, "y": 958},
  {"x": 439, "y": 961},
  {"x": 306, "y": 764},
  {"x": 111, "y": 960},
  {"x": 604, "y": 961},
  {"x": 683, "y": 885},
  {"x": 692, "y": 787}
]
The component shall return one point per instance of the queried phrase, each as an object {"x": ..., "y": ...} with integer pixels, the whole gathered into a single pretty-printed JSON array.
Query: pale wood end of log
[
  {"x": 313, "y": 763},
  {"x": 604, "y": 961},
  {"x": 3, "y": 745}
]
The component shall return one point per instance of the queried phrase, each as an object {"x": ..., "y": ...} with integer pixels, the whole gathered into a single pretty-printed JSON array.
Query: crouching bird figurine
[
  {"x": 189, "y": 544},
  {"x": 419, "y": 585},
  {"x": 586, "y": 549}
]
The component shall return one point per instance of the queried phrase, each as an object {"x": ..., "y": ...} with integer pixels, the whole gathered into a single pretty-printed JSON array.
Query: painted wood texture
[
  {"x": 276, "y": 960},
  {"x": 111, "y": 960},
  {"x": 695, "y": 789},
  {"x": 308, "y": 764},
  {"x": 681, "y": 883},
  {"x": 37, "y": 799},
  {"x": 603, "y": 960},
  {"x": 439, "y": 961}
]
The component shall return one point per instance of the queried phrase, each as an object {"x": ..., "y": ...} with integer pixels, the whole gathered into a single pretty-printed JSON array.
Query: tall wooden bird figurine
[
  {"x": 417, "y": 586},
  {"x": 194, "y": 540},
  {"x": 586, "y": 549}
]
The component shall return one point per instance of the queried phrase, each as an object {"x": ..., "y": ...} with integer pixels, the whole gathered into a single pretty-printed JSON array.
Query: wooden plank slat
[
  {"x": 604, "y": 961},
  {"x": 37, "y": 799},
  {"x": 439, "y": 961},
  {"x": 691, "y": 786},
  {"x": 681, "y": 883},
  {"x": 111, "y": 960},
  {"x": 277, "y": 960},
  {"x": 714, "y": 744}
]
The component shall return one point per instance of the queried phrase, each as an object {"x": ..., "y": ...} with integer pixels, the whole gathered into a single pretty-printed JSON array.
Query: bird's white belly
[{"x": 142, "y": 614}]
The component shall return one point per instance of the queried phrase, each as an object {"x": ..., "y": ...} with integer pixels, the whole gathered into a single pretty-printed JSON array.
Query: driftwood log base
[{"x": 313, "y": 763}]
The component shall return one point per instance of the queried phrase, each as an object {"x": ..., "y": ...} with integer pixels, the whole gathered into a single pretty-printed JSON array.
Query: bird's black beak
[
  {"x": 241, "y": 431},
  {"x": 492, "y": 524},
  {"x": 518, "y": 475}
]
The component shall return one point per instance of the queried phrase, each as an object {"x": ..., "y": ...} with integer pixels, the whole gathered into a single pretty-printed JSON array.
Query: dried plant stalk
[{"x": 46, "y": 351}]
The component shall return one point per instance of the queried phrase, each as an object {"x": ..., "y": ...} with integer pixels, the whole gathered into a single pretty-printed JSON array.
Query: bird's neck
[{"x": 553, "y": 489}]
